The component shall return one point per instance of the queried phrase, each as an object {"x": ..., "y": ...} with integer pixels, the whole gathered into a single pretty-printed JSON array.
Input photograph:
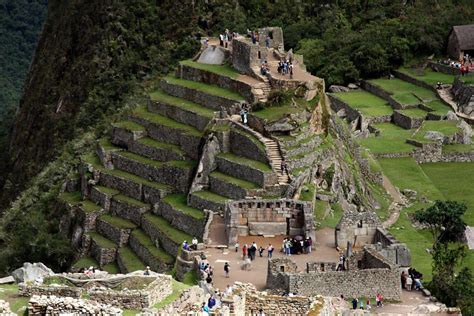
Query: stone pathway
[
  {"x": 325, "y": 251},
  {"x": 396, "y": 205},
  {"x": 446, "y": 96}
]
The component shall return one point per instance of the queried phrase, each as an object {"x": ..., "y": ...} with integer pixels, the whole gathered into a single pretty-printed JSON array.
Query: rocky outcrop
[
  {"x": 30, "y": 272},
  {"x": 464, "y": 96}
]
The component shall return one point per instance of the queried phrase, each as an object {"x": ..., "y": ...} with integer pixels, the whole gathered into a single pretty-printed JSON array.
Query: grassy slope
[
  {"x": 428, "y": 76},
  {"x": 210, "y": 89},
  {"x": 404, "y": 92},
  {"x": 367, "y": 103},
  {"x": 224, "y": 70},
  {"x": 392, "y": 139}
]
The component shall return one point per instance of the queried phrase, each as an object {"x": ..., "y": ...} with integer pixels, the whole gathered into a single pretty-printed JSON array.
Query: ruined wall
[
  {"x": 245, "y": 55},
  {"x": 358, "y": 228},
  {"x": 405, "y": 121}
]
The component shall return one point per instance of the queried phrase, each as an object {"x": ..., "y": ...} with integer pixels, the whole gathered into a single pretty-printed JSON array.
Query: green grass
[
  {"x": 245, "y": 161},
  {"x": 90, "y": 207},
  {"x": 145, "y": 241},
  {"x": 85, "y": 262},
  {"x": 404, "y": 92},
  {"x": 179, "y": 202},
  {"x": 235, "y": 181},
  {"x": 331, "y": 219},
  {"x": 447, "y": 128},
  {"x": 102, "y": 241},
  {"x": 178, "y": 288},
  {"x": 383, "y": 198},
  {"x": 107, "y": 145},
  {"x": 224, "y": 70},
  {"x": 129, "y": 125},
  {"x": 458, "y": 148},
  {"x": 111, "y": 268},
  {"x": 164, "y": 226},
  {"x": 106, "y": 190},
  {"x": 147, "y": 141},
  {"x": 309, "y": 194},
  {"x": 130, "y": 259},
  {"x": 130, "y": 201},
  {"x": 154, "y": 118},
  {"x": 365, "y": 102},
  {"x": 211, "y": 196},
  {"x": 405, "y": 173},
  {"x": 206, "y": 88},
  {"x": 392, "y": 139},
  {"x": 438, "y": 107},
  {"x": 117, "y": 222},
  {"x": 275, "y": 113},
  {"x": 454, "y": 180},
  {"x": 72, "y": 198},
  {"x": 130, "y": 312},
  {"x": 428, "y": 76},
  {"x": 9, "y": 293},
  {"x": 415, "y": 113},
  {"x": 161, "y": 96}
]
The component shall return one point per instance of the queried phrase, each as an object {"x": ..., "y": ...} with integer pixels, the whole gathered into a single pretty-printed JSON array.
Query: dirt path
[{"x": 396, "y": 205}]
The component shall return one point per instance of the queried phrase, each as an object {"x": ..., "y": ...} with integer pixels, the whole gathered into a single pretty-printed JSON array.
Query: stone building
[{"x": 461, "y": 41}]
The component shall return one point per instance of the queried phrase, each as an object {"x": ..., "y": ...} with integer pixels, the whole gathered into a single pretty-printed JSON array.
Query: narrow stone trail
[
  {"x": 446, "y": 96},
  {"x": 396, "y": 205}
]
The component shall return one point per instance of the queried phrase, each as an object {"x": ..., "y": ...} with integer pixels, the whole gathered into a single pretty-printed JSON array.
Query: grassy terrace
[
  {"x": 161, "y": 96},
  {"x": 118, "y": 222},
  {"x": 405, "y": 92},
  {"x": 158, "y": 164},
  {"x": 223, "y": 70},
  {"x": 252, "y": 138},
  {"x": 428, "y": 75},
  {"x": 72, "y": 198},
  {"x": 328, "y": 215},
  {"x": 85, "y": 262},
  {"x": 236, "y": 181},
  {"x": 165, "y": 121},
  {"x": 415, "y": 113},
  {"x": 130, "y": 259},
  {"x": 458, "y": 148},
  {"x": 438, "y": 107},
  {"x": 102, "y": 241},
  {"x": 128, "y": 200},
  {"x": 365, "y": 102},
  {"x": 179, "y": 202},
  {"x": 206, "y": 88},
  {"x": 90, "y": 207},
  {"x": 9, "y": 293},
  {"x": 129, "y": 125},
  {"x": 148, "y": 244},
  {"x": 245, "y": 161},
  {"x": 147, "y": 141},
  {"x": 164, "y": 226},
  {"x": 106, "y": 190},
  {"x": 447, "y": 128},
  {"x": 211, "y": 196},
  {"x": 392, "y": 139}
]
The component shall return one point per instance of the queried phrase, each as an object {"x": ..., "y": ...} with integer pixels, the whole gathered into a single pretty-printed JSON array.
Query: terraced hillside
[{"x": 135, "y": 207}]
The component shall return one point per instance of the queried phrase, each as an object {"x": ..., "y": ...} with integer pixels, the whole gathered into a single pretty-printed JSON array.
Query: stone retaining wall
[
  {"x": 199, "y": 75},
  {"x": 205, "y": 204},
  {"x": 56, "y": 290},
  {"x": 207, "y": 100},
  {"x": 414, "y": 81},
  {"x": 180, "y": 220},
  {"x": 242, "y": 145},
  {"x": 374, "y": 89},
  {"x": 102, "y": 255},
  {"x": 159, "y": 154},
  {"x": 53, "y": 305},
  {"x": 179, "y": 114},
  {"x": 117, "y": 235},
  {"x": 446, "y": 69},
  {"x": 147, "y": 257},
  {"x": 87, "y": 218},
  {"x": 247, "y": 173},
  {"x": 129, "y": 211},
  {"x": 406, "y": 121},
  {"x": 164, "y": 241},
  {"x": 100, "y": 198}
]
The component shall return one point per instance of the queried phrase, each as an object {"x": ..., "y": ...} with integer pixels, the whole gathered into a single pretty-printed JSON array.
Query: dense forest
[
  {"x": 20, "y": 27},
  {"x": 92, "y": 61}
]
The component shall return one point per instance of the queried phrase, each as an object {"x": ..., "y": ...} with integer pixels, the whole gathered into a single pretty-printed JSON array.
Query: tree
[{"x": 444, "y": 219}]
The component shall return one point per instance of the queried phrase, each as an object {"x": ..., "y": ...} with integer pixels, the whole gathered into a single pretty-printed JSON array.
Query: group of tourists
[
  {"x": 293, "y": 246},
  {"x": 464, "y": 66},
  {"x": 193, "y": 246},
  {"x": 285, "y": 67},
  {"x": 411, "y": 280},
  {"x": 360, "y": 303},
  {"x": 215, "y": 300},
  {"x": 226, "y": 37}
]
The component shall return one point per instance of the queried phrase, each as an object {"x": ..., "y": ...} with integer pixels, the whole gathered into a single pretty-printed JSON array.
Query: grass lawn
[
  {"x": 130, "y": 259},
  {"x": 404, "y": 92},
  {"x": 428, "y": 76},
  {"x": 458, "y": 148},
  {"x": 236, "y": 181},
  {"x": 307, "y": 195},
  {"x": 275, "y": 113},
  {"x": 447, "y": 128},
  {"x": 326, "y": 214},
  {"x": 146, "y": 241},
  {"x": 206, "y": 88},
  {"x": 161, "y": 96},
  {"x": 392, "y": 139},
  {"x": 415, "y": 113},
  {"x": 454, "y": 180},
  {"x": 164, "y": 226},
  {"x": 179, "y": 202},
  {"x": 85, "y": 262},
  {"x": 117, "y": 221},
  {"x": 129, "y": 125},
  {"x": 367, "y": 103},
  {"x": 102, "y": 241},
  {"x": 9, "y": 293},
  {"x": 211, "y": 196},
  {"x": 246, "y": 161},
  {"x": 439, "y": 107},
  {"x": 224, "y": 70}
]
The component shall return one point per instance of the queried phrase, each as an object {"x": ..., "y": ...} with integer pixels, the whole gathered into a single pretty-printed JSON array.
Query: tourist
[
  {"x": 209, "y": 279},
  {"x": 310, "y": 244},
  {"x": 254, "y": 38},
  {"x": 247, "y": 264},
  {"x": 252, "y": 250},
  {"x": 403, "y": 279},
  {"x": 260, "y": 312},
  {"x": 354, "y": 303},
  {"x": 270, "y": 251},
  {"x": 290, "y": 67},
  {"x": 221, "y": 39},
  {"x": 361, "y": 304},
  {"x": 267, "y": 42},
  {"x": 206, "y": 42},
  {"x": 185, "y": 245},
  {"x": 283, "y": 166},
  {"x": 228, "y": 290},
  {"x": 205, "y": 309},
  {"x": 288, "y": 247},
  {"x": 439, "y": 85},
  {"x": 409, "y": 284},
  {"x": 147, "y": 271},
  {"x": 226, "y": 269},
  {"x": 194, "y": 243},
  {"x": 340, "y": 265},
  {"x": 211, "y": 302},
  {"x": 237, "y": 246},
  {"x": 260, "y": 251},
  {"x": 378, "y": 300},
  {"x": 244, "y": 251},
  {"x": 367, "y": 305}
]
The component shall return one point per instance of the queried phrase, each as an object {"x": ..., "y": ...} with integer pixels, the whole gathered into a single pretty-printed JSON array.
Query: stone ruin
[
  {"x": 367, "y": 272},
  {"x": 269, "y": 218},
  {"x": 133, "y": 291}
]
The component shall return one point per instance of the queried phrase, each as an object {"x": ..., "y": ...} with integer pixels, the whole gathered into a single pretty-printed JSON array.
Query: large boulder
[
  {"x": 434, "y": 135},
  {"x": 466, "y": 135},
  {"x": 335, "y": 89},
  {"x": 31, "y": 272}
]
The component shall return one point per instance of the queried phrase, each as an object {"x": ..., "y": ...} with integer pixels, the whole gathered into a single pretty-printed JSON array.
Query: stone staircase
[{"x": 135, "y": 208}]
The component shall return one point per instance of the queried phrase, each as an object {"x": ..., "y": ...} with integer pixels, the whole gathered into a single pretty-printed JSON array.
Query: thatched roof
[{"x": 465, "y": 36}]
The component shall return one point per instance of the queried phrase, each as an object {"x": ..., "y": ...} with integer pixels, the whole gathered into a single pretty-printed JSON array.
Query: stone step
[
  {"x": 166, "y": 130},
  {"x": 124, "y": 132},
  {"x": 103, "y": 250},
  {"x": 210, "y": 96},
  {"x": 156, "y": 150},
  {"x": 246, "y": 169},
  {"x": 230, "y": 186},
  {"x": 148, "y": 252},
  {"x": 180, "y": 110},
  {"x": 175, "y": 173},
  {"x": 175, "y": 209},
  {"x": 128, "y": 208},
  {"x": 102, "y": 196},
  {"x": 161, "y": 231},
  {"x": 128, "y": 261},
  {"x": 115, "y": 228},
  {"x": 207, "y": 200}
]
